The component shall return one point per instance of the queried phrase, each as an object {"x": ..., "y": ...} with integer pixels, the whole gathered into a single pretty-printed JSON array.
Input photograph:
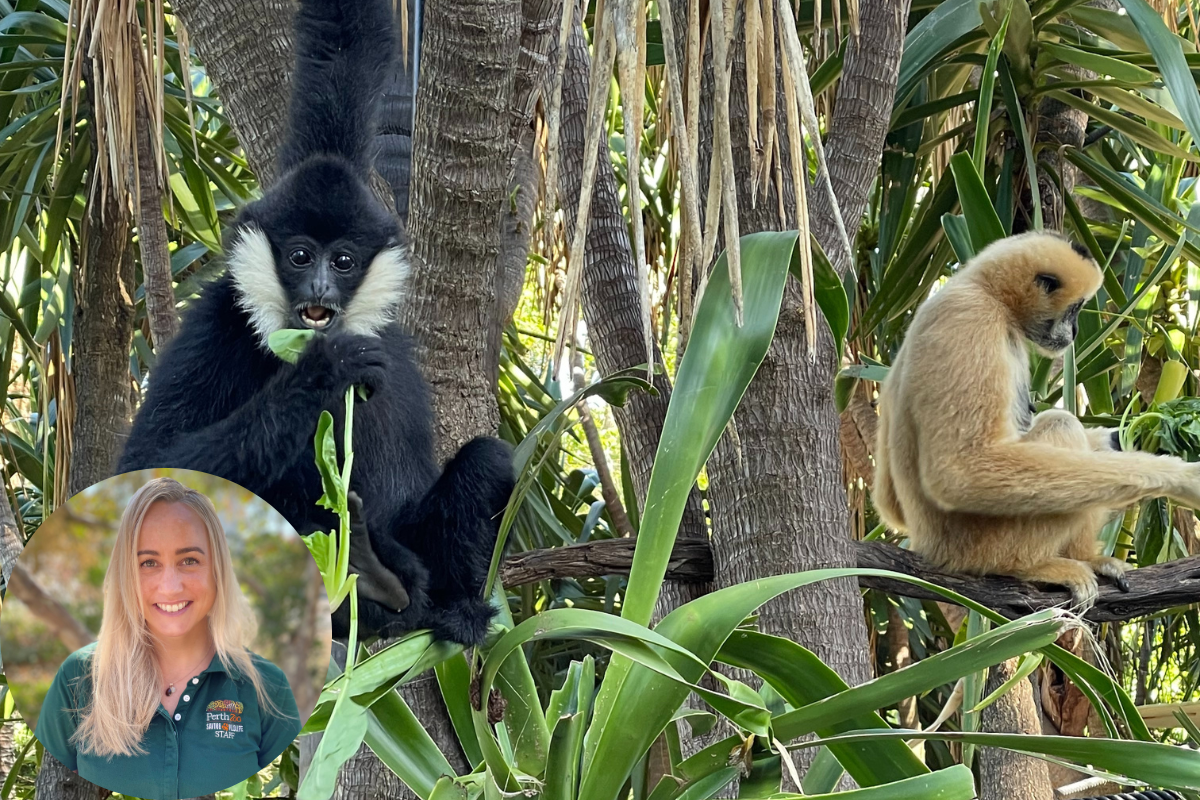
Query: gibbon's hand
[{"x": 336, "y": 362}]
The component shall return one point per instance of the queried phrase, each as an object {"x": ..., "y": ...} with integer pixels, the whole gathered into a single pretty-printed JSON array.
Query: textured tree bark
[
  {"x": 56, "y": 782},
  {"x": 11, "y": 542},
  {"x": 611, "y": 297},
  {"x": 103, "y": 331},
  {"x": 461, "y": 162},
  {"x": 152, "y": 229},
  {"x": 1003, "y": 774},
  {"x": 246, "y": 47}
]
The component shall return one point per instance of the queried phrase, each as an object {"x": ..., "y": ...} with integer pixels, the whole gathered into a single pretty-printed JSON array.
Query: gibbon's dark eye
[
  {"x": 343, "y": 263},
  {"x": 1049, "y": 283},
  {"x": 301, "y": 257}
]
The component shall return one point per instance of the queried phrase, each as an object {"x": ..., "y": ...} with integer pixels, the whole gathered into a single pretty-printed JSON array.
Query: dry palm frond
[
  {"x": 722, "y": 159},
  {"x": 602, "y": 65},
  {"x": 795, "y": 56},
  {"x": 852, "y": 13},
  {"x": 766, "y": 94},
  {"x": 109, "y": 37},
  {"x": 628, "y": 19},
  {"x": 799, "y": 181},
  {"x": 753, "y": 33},
  {"x": 689, "y": 201}
]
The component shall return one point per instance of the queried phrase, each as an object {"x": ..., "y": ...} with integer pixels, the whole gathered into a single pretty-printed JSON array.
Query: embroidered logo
[{"x": 224, "y": 718}]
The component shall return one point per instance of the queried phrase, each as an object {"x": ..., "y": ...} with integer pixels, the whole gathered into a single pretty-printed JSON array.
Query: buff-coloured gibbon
[{"x": 979, "y": 483}]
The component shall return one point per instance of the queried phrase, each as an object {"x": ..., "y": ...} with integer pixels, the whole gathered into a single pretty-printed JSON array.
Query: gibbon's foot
[
  {"x": 375, "y": 581},
  {"x": 465, "y": 622},
  {"x": 1113, "y": 568},
  {"x": 1077, "y": 576}
]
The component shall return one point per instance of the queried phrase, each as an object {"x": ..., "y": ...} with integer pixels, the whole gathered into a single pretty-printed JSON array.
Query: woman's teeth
[{"x": 173, "y": 607}]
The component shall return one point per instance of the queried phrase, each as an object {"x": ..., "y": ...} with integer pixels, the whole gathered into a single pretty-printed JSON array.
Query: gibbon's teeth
[
  {"x": 316, "y": 317},
  {"x": 173, "y": 607}
]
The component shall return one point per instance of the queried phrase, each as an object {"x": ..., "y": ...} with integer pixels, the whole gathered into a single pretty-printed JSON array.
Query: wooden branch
[{"x": 1152, "y": 588}]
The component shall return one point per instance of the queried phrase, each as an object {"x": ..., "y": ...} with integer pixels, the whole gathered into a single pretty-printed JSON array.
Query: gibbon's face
[
  {"x": 175, "y": 575},
  {"x": 319, "y": 252},
  {"x": 1045, "y": 280}
]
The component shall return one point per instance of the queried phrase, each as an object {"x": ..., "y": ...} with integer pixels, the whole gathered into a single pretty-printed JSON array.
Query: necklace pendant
[{"x": 170, "y": 690}]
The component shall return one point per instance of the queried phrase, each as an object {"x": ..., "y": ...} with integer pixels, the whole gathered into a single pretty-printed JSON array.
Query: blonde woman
[{"x": 169, "y": 702}]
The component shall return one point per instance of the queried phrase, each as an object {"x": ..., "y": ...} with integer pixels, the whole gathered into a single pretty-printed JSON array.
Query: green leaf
[
  {"x": 720, "y": 361},
  {"x": 982, "y": 220},
  {"x": 397, "y": 737},
  {"x": 1167, "y": 50},
  {"x": 454, "y": 679},
  {"x": 802, "y": 679},
  {"x": 829, "y": 293},
  {"x": 954, "y": 783},
  {"x": 289, "y": 343},
  {"x": 334, "y": 497},
  {"x": 988, "y": 649},
  {"x": 932, "y": 36},
  {"x": 1139, "y": 132},
  {"x": 1153, "y": 763},
  {"x": 1103, "y": 65},
  {"x": 987, "y": 82},
  {"x": 341, "y": 740}
]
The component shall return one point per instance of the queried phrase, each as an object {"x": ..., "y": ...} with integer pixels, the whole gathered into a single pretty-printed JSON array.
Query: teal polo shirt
[{"x": 216, "y": 737}]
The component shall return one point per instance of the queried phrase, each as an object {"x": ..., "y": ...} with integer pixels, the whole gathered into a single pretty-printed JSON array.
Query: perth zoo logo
[{"x": 224, "y": 718}]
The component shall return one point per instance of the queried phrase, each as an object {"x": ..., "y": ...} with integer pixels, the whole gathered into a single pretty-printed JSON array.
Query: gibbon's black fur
[{"x": 320, "y": 251}]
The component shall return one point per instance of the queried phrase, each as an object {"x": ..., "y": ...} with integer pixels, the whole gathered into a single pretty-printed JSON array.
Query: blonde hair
[{"x": 125, "y": 676}]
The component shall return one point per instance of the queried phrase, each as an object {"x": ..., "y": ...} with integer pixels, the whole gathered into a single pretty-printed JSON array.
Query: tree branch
[{"x": 1152, "y": 588}]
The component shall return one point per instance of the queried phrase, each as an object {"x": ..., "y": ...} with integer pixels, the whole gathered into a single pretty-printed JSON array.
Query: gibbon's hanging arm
[{"x": 1151, "y": 589}]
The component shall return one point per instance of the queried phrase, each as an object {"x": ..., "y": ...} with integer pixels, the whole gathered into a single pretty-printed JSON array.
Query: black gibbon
[
  {"x": 319, "y": 251},
  {"x": 978, "y": 482}
]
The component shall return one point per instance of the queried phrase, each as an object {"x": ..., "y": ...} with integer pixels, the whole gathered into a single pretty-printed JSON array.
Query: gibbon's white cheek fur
[
  {"x": 377, "y": 298},
  {"x": 260, "y": 294}
]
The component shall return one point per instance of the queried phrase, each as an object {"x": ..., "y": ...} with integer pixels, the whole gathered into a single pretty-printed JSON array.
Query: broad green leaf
[
  {"x": 289, "y": 343},
  {"x": 1167, "y": 50},
  {"x": 802, "y": 679},
  {"x": 931, "y": 37},
  {"x": 454, "y": 679},
  {"x": 988, "y": 649},
  {"x": 953, "y": 783},
  {"x": 343, "y": 735},
  {"x": 1139, "y": 132},
  {"x": 982, "y": 220},
  {"x": 334, "y": 496},
  {"x": 720, "y": 361},
  {"x": 1117, "y": 28},
  {"x": 829, "y": 293},
  {"x": 959, "y": 236},
  {"x": 1103, "y": 65},
  {"x": 1153, "y": 763},
  {"x": 397, "y": 737}
]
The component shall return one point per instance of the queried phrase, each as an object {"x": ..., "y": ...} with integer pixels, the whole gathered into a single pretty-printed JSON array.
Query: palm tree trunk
[
  {"x": 100, "y": 348},
  {"x": 246, "y": 48},
  {"x": 152, "y": 228}
]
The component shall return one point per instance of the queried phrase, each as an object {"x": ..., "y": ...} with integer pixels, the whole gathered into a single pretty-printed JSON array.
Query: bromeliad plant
[{"x": 591, "y": 739}]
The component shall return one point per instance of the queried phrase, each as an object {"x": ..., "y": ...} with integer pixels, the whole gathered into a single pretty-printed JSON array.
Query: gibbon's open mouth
[{"x": 317, "y": 317}]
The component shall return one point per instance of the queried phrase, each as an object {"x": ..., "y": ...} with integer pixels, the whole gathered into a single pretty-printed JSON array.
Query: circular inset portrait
[{"x": 166, "y": 635}]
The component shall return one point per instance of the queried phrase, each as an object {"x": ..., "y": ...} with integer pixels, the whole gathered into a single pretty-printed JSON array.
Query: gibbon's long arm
[
  {"x": 1032, "y": 478},
  {"x": 343, "y": 51}
]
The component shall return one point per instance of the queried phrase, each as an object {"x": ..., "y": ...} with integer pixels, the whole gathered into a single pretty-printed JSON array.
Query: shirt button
[
  {"x": 186, "y": 698},
  {"x": 176, "y": 716},
  {"x": 195, "y": 680}
]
